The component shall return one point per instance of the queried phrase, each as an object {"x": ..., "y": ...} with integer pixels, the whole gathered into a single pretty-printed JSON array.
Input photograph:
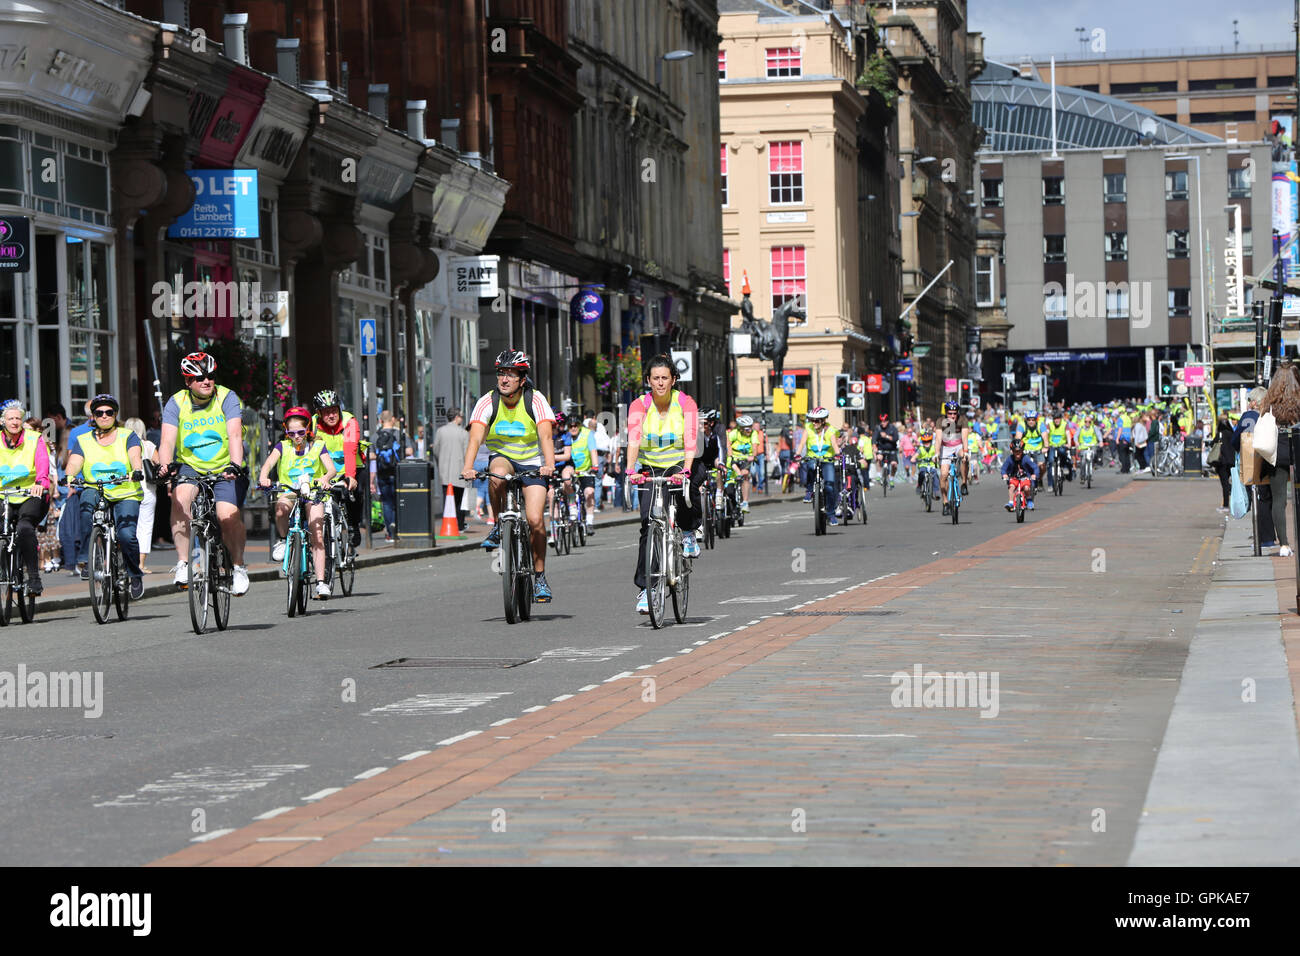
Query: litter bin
[
  {"x": 1192, "y": 456},
  {"x": 415, "y": 527}
]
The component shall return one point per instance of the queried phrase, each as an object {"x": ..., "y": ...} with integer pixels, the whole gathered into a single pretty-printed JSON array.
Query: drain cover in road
[{"x": 456, "y": 662}]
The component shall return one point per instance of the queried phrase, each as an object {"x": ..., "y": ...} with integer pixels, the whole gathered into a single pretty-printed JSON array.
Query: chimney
[
  {"x": 314, "y": 67},
  {"x": 236, "y": 24},
  {"x": 286, "y": 60},
  {"x": 450, "y": 134},
  {"x": 415, "y": 119},
  {"x": 377, "y": 97},
  {"x": 177, "y": 12}
]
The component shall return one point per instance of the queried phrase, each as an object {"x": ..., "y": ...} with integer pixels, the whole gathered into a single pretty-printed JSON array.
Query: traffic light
[
  {"x": 1166, "y": 377},
  {"x": 905, "y": 343},
  {"x": 963, "y": 392},
  {"x": 857, "y": 394},
  {"x": 841, "y": 391}
]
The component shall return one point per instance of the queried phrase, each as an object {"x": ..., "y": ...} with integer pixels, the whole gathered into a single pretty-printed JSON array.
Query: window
[
  {"x": 784, "y": 61},
  {"x": 1247, "y": 244},
  {"x": 789, "y": 275},
  {"x": 1176, "y": 243},
  {"x": 1053, "y": 248},
  {"x": 992, "y": 192},
  {"x": 726, "y": 269},
  {"x": 785, "y": 173},
  {"x": 985, "y": 280},
  {"x": 1238, "y": 182},
  {"x": 1176, "y": 184},
  {"x": 724, "y": 174},
  {"x": 1116, "y": 187},
  {"x": 1116, "y": 301},
  {"x": 1117, "y": 247},
  {"x": 1053, "y": 190},
  {"x": 1180, "y": 302},
  {"x": 722, "y": 64},
  {"x": 90, "y": 320},
  {"x": 1054, "y": 307},
  {"x": 78, "y": 184}
]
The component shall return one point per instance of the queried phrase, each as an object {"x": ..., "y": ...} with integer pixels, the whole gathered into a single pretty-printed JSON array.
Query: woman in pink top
[
  {"x": 24, "y": 483},
  {"x": 907, "y": 445}
]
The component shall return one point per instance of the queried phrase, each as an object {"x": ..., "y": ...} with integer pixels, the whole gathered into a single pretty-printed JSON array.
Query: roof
[{"x": 1016, "y": 114}]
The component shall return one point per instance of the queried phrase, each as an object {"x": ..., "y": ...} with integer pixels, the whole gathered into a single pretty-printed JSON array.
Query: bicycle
[
  {"x": 954, "y": 488},
  {"x": 667, "y": 570},
  {"x": 1169, "y": 459},
  {"x": 340, "y": 555},
  {"x": 928, "y": 485},
  {"x": 211, "y": 571},
  {"x": 562, "y": 531},
  {"x": 297, "y": 565},
  {"x": 883, "y": 460},
  {"x": 109, "y": 582},
  {"x": 852, "y": 497},
  {"x": 13, "y": 573},
  {"x": 1020, "y": 493},
  {"x": 734, "y": 488},
  {"x": 1085, "y": 466},
  {"x": 818, "y": 497},
  {"x": 708, "y": 510},
  {"x": 1058, "y": 474},
  {"x": 516, "y": 549}
]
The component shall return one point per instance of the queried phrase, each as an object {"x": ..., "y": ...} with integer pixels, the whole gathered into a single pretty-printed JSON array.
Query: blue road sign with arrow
[
  {"x": 787, "y": 384},
  {"x": 368, "y": 337}
]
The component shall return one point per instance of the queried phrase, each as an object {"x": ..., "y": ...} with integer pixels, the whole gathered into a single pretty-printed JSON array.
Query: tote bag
[
  {"x": 1237, "y": 501},
  {"x": 1265, "y": 437}
]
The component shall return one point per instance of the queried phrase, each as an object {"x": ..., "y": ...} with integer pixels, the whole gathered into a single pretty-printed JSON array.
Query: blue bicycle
[
  {"x": 297, "y": 565},
  {"x": 954, "y": 489}
]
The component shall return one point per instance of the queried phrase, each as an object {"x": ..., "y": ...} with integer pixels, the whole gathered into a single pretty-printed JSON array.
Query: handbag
[
  {"x": 1265, "y": 437},
  {"x": 1252, "y": 465},
  {"x": 1216, "y": 453},
  {"x": 150, "y": 471},
  {"x": 1238, "y": 501}
]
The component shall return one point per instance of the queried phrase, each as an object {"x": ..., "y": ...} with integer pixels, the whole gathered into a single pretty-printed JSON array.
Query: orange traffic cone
[{"x": 450, "y": 527}]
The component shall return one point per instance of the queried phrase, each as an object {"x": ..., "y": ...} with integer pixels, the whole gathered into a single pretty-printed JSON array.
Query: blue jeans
[
  {"x": 70, "y": 531},
  {"x": 758, "y": 473},
  {"x": 388, "y": 500},
  {"x": 125, "y": 515},
  {"x": 1064, "y": 454},
  {"x": 828, "y": 474}
]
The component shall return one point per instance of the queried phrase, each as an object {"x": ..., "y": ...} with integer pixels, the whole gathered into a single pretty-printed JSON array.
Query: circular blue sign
[{"x": 587, "y": 306}]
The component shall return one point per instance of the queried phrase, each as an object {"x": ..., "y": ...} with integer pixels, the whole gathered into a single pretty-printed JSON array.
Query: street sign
[
  {"x": 904, "y": 371},
  {"x": 787, "y": 384},
  {"x": 974, "y": 401},
  {"x": 369, "y": 339},
  {"x": 796, "y": 404},
  {"x": 950, "y": 385},
  {"x": 1194, "y": 376},
  {"x": 875, "y": 383},
  {"x": 15, "y": 243},
  {"x": 684, "y": 363},
  {"x": 858, "y": 393}
]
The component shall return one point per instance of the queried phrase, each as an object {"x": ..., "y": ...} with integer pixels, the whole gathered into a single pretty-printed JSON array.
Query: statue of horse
[{"x": 771, "y": 339}]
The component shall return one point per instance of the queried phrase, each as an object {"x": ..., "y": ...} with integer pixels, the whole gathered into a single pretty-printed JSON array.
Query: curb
[{"x": 391, "y": 556}]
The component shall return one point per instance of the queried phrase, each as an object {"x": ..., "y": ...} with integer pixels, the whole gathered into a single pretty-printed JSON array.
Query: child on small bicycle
[{"x": 296, "y": 458}]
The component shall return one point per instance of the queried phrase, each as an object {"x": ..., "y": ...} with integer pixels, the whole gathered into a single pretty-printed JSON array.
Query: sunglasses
[
  {"x": 202, "y": 378},
  {"x": 297, "y": 433},
  {"x": 104, "y": 413}
]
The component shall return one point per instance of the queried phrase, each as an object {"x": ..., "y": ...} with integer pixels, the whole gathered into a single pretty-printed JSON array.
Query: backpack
[
  {"x": 525, "y": 400},
  {"x": 387, "y": 451}
]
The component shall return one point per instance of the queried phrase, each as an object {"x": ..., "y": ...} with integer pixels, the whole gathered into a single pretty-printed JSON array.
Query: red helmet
[
  {"x": 884, "y": 416},
  {"x": 297, "y": 412},
  {"x": 198, "y": 364}
]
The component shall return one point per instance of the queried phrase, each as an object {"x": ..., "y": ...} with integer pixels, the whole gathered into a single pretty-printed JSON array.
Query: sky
[{"x": 1042, "y": 27}]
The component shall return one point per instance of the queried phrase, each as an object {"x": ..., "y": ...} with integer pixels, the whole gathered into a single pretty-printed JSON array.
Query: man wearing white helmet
[
  {"x": 741, "y": 451},
  {"x": 821, "y": 445}
]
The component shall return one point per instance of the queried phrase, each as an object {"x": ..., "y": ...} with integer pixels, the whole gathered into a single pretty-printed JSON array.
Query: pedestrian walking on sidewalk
[
  {"x": 1283, "y": 400},
  {"x": 450, "y": 442},
  {"x": 1263, "y": 494},
  {"x": 1222, "y": 456}
]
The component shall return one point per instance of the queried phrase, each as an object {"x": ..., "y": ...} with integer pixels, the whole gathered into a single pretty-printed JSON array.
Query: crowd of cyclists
[{"x": 322, "y": 455}]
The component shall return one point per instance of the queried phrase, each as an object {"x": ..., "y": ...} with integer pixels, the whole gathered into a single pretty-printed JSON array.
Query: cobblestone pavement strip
[{"x": 778, "y": 742}]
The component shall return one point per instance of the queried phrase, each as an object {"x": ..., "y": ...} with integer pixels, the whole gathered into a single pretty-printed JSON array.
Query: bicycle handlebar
[{"x": 100, "y": 484}]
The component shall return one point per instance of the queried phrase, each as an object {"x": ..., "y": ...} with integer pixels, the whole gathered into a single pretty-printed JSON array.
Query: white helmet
[
  {"x": 744, "y": 421},
  {"x": 818, "y": 414}
]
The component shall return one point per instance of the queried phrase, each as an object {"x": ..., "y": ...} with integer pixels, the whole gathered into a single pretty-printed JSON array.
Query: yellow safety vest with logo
[
  {"x": 1032, "y": 438},
  {"x": 663, "y": 436},
  {"x": 973, "y": 442},
  {"x": 1088, "y": 436},
  {"x": 581, "y": 452},
  {"x": 102, "y": 462},
  {"x": 334, "y": 443},
  {"x": 819, "y": 446},
  {"x": 18, "y": 466},
  {"x": 202, "y": 442},
  {"x": 513, "y": 433},
  {"x": 740, "y": 445},
  {"x": 865, "y": 450},
  {"x": 293, "y": 468},
  {"x": 1058, "y": 435},
  {"x": 925, "y": 452}
]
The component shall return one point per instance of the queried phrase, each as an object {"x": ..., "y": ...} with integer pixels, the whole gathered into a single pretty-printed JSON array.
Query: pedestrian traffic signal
[
  {"x": 857, "y": 394},
  {"x": 1166, "y": 377},
  {"x": 841, "y": 391}
]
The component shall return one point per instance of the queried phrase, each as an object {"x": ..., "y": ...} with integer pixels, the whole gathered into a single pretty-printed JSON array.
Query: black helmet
[
  {"x": 105, "y": 399},
  {"x": 325, "y": 398},
  {"x": 1017, "y": 446},
  {"x": 514, "y": 360}
]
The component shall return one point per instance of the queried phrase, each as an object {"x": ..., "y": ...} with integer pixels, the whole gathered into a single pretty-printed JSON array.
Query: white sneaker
[
  {"x": 690, "y": 547},
  {"x": 239, "y": 585},
  {"x": 744, "y": 506},
  {"x": 277, "y": 552},
  {"x": 322, "y": 591},
  {"x": 182, "y": 576},
  {"x": 1284, "y": 552}
]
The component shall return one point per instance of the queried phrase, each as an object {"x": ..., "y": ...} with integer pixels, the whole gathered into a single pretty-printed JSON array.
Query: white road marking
[
  {"x": 732, "y": 839},
  {"x": 945, "y": 634},
  {"x": 288, "y": 839},
  {"x": 502, "y": 723},
  {"x": 215, "y": 833},
  {"x": 583, "y": 690},
  {"x": 533, "y": 710},
  {"x": 556, "y": 700},
  {"x": 372, "y": 772},
  {"x": 645, "y": 667},
  {"x": 758, "y": 599},
  {"x": 272, "y": 813},
  {"x": 686, "y": 650},
  {"x": 459, "y": 737},
  {"x": 590, "y": 654},
  {"x": 618, "y": 676},
  {"x": 1035, "y": 587},
  {"x": 698, "y": 643},
  {"x": 440, "y": 705},
  {"x": 321, "y": 794},
  {"x": 844, "y": 735},
  {"x": 813, "y": 581},
  {"x": 204, "y": 785},
  {"x": 415, "y": 753}
]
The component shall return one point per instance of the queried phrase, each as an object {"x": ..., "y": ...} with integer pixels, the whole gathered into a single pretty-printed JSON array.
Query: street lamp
[
  {"x": 671, "y": 55},
  {"x": 1205, "y": 341}
]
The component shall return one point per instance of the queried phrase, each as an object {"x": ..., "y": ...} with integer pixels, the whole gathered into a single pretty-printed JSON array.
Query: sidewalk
[
  {"x": 62, "y": 591},
  {"x": 783, "y": 742}
]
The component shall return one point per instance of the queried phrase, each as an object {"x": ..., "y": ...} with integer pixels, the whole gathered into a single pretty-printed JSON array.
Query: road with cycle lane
[{"x": 199, "y": 736}]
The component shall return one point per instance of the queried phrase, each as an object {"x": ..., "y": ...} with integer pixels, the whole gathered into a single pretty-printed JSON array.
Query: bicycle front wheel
[
  {"x": 524, "y": 572},
  {"x": 293, "y": 581},
  {"x": 506, "y": 554},
  {"x": 122, "y": 591},
  {"x": 101, "y": 575},
  {"x": 220, "y": 578},
  {"x": 199, "y": 584},
  {"x": 345, "y": 562},
  {"x": 682, "y": 589},
  {"x": 26, "y": 600},
  {"x": 656, "y": 578}
]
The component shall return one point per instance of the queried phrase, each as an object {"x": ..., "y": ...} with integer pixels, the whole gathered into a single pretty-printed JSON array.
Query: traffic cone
[{"x": 450, "y": 526}]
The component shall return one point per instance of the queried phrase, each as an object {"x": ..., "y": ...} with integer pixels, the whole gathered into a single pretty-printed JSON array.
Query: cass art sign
[
  {"x": 587, "y": 306},
  {"x": 15, "y": 244},
  {"x": 225, "y": 206}
]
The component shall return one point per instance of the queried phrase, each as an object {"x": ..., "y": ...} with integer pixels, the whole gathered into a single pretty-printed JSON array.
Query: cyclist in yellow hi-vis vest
[
  {"x": 300, "y": 457},
  {"x": 516, "y": 423},
  {"x": 26, "y": 475}
]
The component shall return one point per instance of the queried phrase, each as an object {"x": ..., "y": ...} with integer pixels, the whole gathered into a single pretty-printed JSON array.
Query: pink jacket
[{"x": 42, "y": 457}]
